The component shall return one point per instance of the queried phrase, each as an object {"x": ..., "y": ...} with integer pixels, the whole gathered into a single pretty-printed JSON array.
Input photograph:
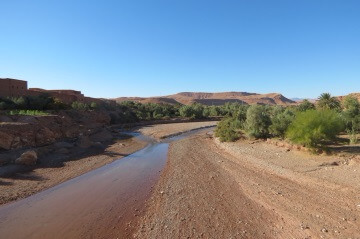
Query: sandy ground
[
  {"x": 161, "y": 131},
  {"x": 25, "y": 184},
  {"x": 252, "y": 190}
]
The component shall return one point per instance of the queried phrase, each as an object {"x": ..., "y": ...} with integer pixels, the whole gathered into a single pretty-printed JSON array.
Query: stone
[
  {"x": 28, "y": 158},
  {"x": 44, "y": 136},
  {"x": 6, "y": 140}
]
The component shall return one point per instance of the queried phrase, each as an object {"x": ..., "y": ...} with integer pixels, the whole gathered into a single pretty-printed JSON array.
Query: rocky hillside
[
  {"x": 220, "y": 98},
  {"x": 356, "y": 95}
]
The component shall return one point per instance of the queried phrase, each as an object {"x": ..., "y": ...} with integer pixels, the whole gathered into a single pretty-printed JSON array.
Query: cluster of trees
[
  {"x": 41, "y": 102},
  {"x": 129, "y": 111},
  {"x": 46, "y": 102},
  {"x": 307, "y": 124}
]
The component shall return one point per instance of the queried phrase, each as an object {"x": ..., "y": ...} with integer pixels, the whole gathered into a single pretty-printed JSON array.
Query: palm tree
[{"x": 326, "y": 101}]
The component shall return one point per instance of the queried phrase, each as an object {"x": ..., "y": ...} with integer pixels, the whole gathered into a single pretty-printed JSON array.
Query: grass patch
[{"x": 28, "y": 112}]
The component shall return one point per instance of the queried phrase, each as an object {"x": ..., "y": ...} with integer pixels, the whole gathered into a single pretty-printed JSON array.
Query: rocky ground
[{"x": 252, "y": 190}]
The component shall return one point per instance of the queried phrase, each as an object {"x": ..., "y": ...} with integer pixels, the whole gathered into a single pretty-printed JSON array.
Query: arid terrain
[
  {"x": 207, "y": 189},
  {"x": 252, "y": 190},
  {"x": 28, "y": 182},
  {"x": 221, "y": 98}
]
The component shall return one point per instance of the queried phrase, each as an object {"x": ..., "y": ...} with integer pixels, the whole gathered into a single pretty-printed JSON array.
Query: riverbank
[
  {"x": 162, "y": 131},
  {"x": 30, "y": 180},
  {"x": 251, "y": 189}
]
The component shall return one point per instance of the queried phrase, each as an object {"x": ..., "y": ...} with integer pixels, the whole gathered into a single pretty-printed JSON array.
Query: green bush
[
  {"x": 257, "y": 121},
  {"x": 306, "y": 105},
  {"x": 228, "y": 130},
  {"x": 280, "y": 122},
  {"x": 76, "y": 105},
  {"x": 28, "y": 112},
  {"x": 313, "y": 128}
]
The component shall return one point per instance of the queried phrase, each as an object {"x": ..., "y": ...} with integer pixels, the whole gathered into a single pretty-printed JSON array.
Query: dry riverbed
[
  {"x": 24, "y": 184},
  {"x": 166, "y": 130},
  {"x": 252, "y": 190}
]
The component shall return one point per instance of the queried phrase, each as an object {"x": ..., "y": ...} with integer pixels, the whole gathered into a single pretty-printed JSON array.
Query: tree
[
  {"x": 186, "y": 111},
  {"x": 326, "y": 101},
  {"x": 351, "y": 114},
  {"x": 306, "y": 105},
  {"x": 314, "y": 128},
  {"x": 280, "y": 122},
  {"x": 257, "y": 121},
  {"x": 227, "y": 129}
]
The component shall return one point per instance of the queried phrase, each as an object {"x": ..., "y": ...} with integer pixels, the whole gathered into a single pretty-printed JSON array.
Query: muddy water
[{"x": 103, "y": 203}]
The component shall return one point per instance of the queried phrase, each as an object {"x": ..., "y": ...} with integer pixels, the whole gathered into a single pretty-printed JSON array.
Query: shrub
[
  {"x": 257, "y": 121},
  {"x": 227, "y": 129},
  {"x": 306, "y": 105},
  {"x": 313, "y": 128},
  {"x": 28, "y": 112},
  {"x": 80, "y": 106},
  {"x": 194, "y": 111},
  {"x": 94, "y": 105},
  {"x": 280, "y": 122}
]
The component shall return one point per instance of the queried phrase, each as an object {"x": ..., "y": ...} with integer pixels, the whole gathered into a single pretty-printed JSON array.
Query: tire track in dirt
[{"x": 206, "y": 192}]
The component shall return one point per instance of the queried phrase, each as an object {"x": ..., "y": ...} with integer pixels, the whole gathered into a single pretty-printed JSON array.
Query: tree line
[{"x": 312, "y": 125}]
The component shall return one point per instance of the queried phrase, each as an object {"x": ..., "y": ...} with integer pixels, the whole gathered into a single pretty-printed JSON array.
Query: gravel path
[{"x": 251, "y": 190}]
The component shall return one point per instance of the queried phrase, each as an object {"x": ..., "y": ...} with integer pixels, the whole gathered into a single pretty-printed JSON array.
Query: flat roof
[{"x": 12, "y": 79}]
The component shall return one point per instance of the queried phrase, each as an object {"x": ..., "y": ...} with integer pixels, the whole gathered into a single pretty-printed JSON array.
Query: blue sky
[{"x": 152, "y": 47}]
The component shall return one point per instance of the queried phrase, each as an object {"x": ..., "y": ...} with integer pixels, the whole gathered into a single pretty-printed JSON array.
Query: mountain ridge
[{"x": 214, "y": 98}]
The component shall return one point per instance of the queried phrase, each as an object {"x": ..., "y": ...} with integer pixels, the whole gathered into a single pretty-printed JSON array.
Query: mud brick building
[
  {"x": 16, "y": 88},
  {"x": 12, "y": 88}
]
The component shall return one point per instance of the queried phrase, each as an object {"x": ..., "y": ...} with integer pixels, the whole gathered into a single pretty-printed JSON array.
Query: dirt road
[{"x": 246, "y": 190}]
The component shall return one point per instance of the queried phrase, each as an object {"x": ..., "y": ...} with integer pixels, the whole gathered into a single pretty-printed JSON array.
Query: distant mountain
[
  {"x": 297, "y": 99},
  {"x": 221, "y": 98}
]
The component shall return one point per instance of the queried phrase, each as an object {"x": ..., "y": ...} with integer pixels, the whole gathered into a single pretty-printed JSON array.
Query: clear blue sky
[{"x": 150, "y": 47}]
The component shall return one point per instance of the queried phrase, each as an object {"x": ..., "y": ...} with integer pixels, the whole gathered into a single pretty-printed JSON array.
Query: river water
[{"x": 102, "y": 203}]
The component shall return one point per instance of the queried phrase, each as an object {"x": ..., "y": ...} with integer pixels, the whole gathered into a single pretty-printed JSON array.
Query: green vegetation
[
  {"x": 280, "y": 121},
  {"x": 313, "y": 125},
  {"x": 228, "y": 129},
  {"x": 41, "y": 102},
  {"x": 351, "y": 116},
  {"x": 308, "y": 124},
  {"x": 314, "y": 128},
  {"x": 257, "y": 121},
  {"x": 326, "y": 101},
  {"x": 306, "y": 105},
  {"x": 28, "y": 112}
]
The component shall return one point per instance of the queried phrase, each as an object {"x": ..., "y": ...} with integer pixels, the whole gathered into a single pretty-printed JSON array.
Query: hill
[
  {"x": 356, "y": 95},
  {"x": 220, "y": 98}
]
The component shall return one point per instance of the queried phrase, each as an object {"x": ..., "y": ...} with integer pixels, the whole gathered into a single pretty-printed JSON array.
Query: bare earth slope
[
  {"x": 220, "y": 98},
  {"x": 211, "y": 191}
]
